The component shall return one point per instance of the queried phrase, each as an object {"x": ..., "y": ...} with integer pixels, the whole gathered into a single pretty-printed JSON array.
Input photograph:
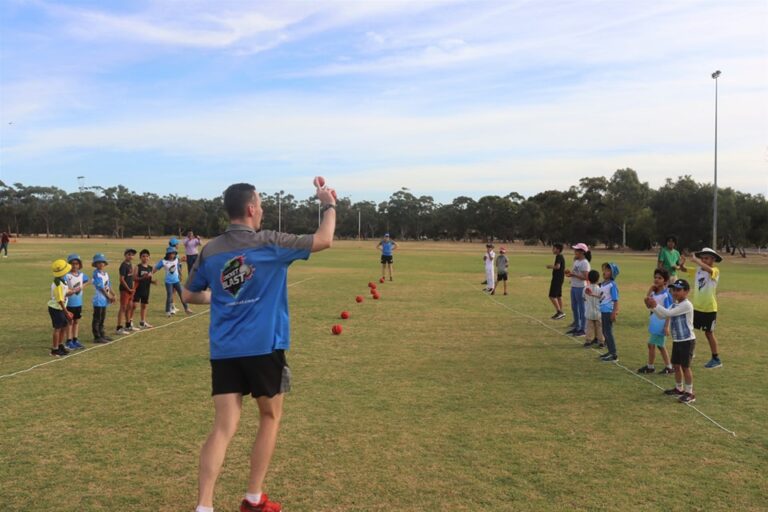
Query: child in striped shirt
[{"x": 681, "y": 324}]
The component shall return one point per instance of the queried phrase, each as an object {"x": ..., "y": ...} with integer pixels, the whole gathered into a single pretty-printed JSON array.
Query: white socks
[
  {"x": 253, "y": 498},
  {"x": 689, "y": 388},
  {"x": 679, "y": 386},
  {"x": 201, "y": 508}
]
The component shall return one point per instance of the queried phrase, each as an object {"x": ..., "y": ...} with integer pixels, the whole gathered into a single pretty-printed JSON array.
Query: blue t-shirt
[
  {"x": 76, "y": 281},
  {"x": 656, "y": 325},
  {"x": 101, "y": 285},
  {"x": 387, "y": 247},
  {"x": 171, "y": 270},
  {"x": 247, "y": 273},
  {"x": 609, "y": 293}
]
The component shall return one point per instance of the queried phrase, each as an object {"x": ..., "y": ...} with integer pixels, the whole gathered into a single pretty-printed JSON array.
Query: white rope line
[
  {"x": 95, "y": 347},
  {"x": 491, "y": 297}
]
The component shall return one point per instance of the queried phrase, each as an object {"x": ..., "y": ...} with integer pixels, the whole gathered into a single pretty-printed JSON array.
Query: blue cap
[
  {"x": 74, "y": 257},
  {"x": 614, "y": 270},
  {"x": 99, "y": 258},
  {"x": 680, "y": 284},
  {"x": 173, "y": 242},
  {"x": 386, "y": 235},
  {"x": 171, "y": 249}
]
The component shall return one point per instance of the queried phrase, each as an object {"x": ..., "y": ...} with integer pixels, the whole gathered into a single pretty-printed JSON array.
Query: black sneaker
[
  {"x": 62, "y": 351},
  {"x": 554, "y": 317},
  {"x": 667, "y": 371},
  {"x": 674, "y": 392},
  {"x": 55, "y": 352},
  {"x": 100, "y": 340},
  {"x": 687, "y": 398},
  {"x": 579, "y": 334},
  {"x": 107, "y": 339},
  {"x": 610, "y": 358},
  {"x": 646, "y": 369},
  {"x": 603, "y": 355},
  {"x": 559, "y": 316}
]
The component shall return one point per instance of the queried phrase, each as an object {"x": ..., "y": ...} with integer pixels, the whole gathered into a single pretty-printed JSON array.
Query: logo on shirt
[{"x": 235, "y": 274}]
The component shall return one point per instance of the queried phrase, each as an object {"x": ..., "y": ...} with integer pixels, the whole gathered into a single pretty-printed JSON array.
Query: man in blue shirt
[
  {"x": 242, "y": 274},
  {"x": 387, "y": 247}
]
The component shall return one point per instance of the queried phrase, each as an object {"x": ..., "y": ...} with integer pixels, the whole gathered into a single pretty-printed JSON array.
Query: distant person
[
  {"x": 143, "y": 279},
  {"x": 594, "y": 322},
  {"x": 191, "y": 247},
  {"x": 579, "y": 273},
  {"x": 609, "y": 309},
  {"x": 683, "y": 336},
  {"x": 658, "y": 327},
  {"x": 705, "y": 279},
  {"x": 387, "y": 247},
  {"x": 556, "y": 285},
  {"x": 242, "y": 274},
  {"x": 76, "y": 281},
  {"x": 126, "y": 294},
  {"x": 174, "y": 242},
  {"x": 172, "y": 267},
  {"x": 103, "y": 296},
  {"x": 488, "y": 259},
  {"x": 502, "y": 270},
  {"x": 669, "y": 257},
  {"x": 5, "y": 239},
  {"x": 57, "y": 307}
]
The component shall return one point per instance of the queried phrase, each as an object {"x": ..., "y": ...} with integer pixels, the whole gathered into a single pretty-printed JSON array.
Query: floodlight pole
[{"x": 715, "y": 76}]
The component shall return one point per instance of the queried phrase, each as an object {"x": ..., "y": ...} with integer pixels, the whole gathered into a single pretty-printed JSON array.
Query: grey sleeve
[{"x": 289, "y": 241}]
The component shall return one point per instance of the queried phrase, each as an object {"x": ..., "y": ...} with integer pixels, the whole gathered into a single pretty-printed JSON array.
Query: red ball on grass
[
  {"x": 376, "y": 296},
  {"x": 359, "y": 298},
  {"x": 345, "y": 314},
  {"x": 381, "y": 280},
  {"x": 336, "y": 329}
]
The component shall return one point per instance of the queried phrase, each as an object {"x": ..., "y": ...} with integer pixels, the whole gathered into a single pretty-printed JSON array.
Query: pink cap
[
  {"x": 581, "y": 247},
  {"x": 503, "y": 249}
]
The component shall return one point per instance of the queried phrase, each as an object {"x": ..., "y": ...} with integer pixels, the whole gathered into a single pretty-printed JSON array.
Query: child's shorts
[
  {"x": 77, "y": 312},
  {"x": 58, "y": 318},
  {"x": 657, "y": 339},
  {"x": 704, "y": 321},
  {"x": 682, "y": 352},
  {"x": 502, "y": 276},
  {"x": 556, "y": 288},
  {"x": 595, "y": 330}
]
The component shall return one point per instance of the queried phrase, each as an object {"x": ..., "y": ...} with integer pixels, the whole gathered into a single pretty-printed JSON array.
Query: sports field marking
[
  {"x": 79, "y": 352},
  {"x": 520, "y": 313}
]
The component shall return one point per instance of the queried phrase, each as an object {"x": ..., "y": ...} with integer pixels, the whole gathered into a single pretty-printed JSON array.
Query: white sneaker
[
  {"x": 121, "y": 331},
  {"x": 145, "y": 325},
  {"x": 132, "y": 328},
  {"x": 174, "y": 310}
]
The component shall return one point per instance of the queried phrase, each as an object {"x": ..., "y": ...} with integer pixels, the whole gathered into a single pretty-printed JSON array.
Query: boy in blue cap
[
  {"x": 609, "y": 309},
  {"x": 103, "y": 297},
  {"x": 681, "y": 324},
  {"x": 172, "y": 267},
  {"x": 76, "y": 281}
]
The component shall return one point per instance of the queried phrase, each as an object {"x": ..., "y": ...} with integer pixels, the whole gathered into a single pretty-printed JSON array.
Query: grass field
[{"x": 435, "y": 398}]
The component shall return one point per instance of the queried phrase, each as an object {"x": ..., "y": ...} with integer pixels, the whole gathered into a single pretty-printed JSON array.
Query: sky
[{"x": 446, "y": 98}]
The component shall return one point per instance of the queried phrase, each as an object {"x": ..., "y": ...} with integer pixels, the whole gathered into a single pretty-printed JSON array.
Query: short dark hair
[
  {"x": 236, "y": 199},
  {"x": 143, "y": 252},
  {"x": 671, "y": 237},
  {"x": 664, "y": 273},
  {"x": 559, "y": 247},
  {"x": 593, "y": 276}
]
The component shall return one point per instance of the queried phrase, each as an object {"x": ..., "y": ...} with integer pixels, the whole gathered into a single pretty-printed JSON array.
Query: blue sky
[{"x": 446, "y": 97}]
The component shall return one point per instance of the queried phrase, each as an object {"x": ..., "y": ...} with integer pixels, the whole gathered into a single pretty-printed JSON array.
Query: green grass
[{"x": 434, "y": 398}]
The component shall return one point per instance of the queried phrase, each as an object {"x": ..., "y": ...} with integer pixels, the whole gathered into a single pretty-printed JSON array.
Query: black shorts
[
  {"x": 682, "y": 352},
  {"x": 502, "y": 276},
  {"x": 704, "y": 321},
  {"x": 266, "y": 375},
  {"x": 77, "y": 312},
  {"x": 141, "y": 296},
  {"x": 58, "y": 318},
  {"x": 386, "y": 259},
  {"x": 556, "y": 289}
]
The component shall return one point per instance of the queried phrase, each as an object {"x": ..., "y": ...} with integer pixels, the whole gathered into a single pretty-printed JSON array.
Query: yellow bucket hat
[{"x": 60, "y": 268}]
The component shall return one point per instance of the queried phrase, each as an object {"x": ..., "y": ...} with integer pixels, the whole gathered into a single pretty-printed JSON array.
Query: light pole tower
[{"x": 715, "y": 76}]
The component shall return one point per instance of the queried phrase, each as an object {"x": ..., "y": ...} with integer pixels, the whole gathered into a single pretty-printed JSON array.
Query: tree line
[{"x": 616, "y": 211}]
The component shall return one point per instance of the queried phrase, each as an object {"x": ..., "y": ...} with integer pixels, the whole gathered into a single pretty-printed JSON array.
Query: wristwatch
[{"x": 328, "y": 207}]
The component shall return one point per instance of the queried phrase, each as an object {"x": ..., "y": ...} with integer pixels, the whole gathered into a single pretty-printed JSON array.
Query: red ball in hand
[
  {"x": 345, "y": 314},
  {"x": 336, "y": 329}
]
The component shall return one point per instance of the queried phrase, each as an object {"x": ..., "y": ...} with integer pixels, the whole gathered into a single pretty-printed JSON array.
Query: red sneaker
[{"x": 264, "y": 505}]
